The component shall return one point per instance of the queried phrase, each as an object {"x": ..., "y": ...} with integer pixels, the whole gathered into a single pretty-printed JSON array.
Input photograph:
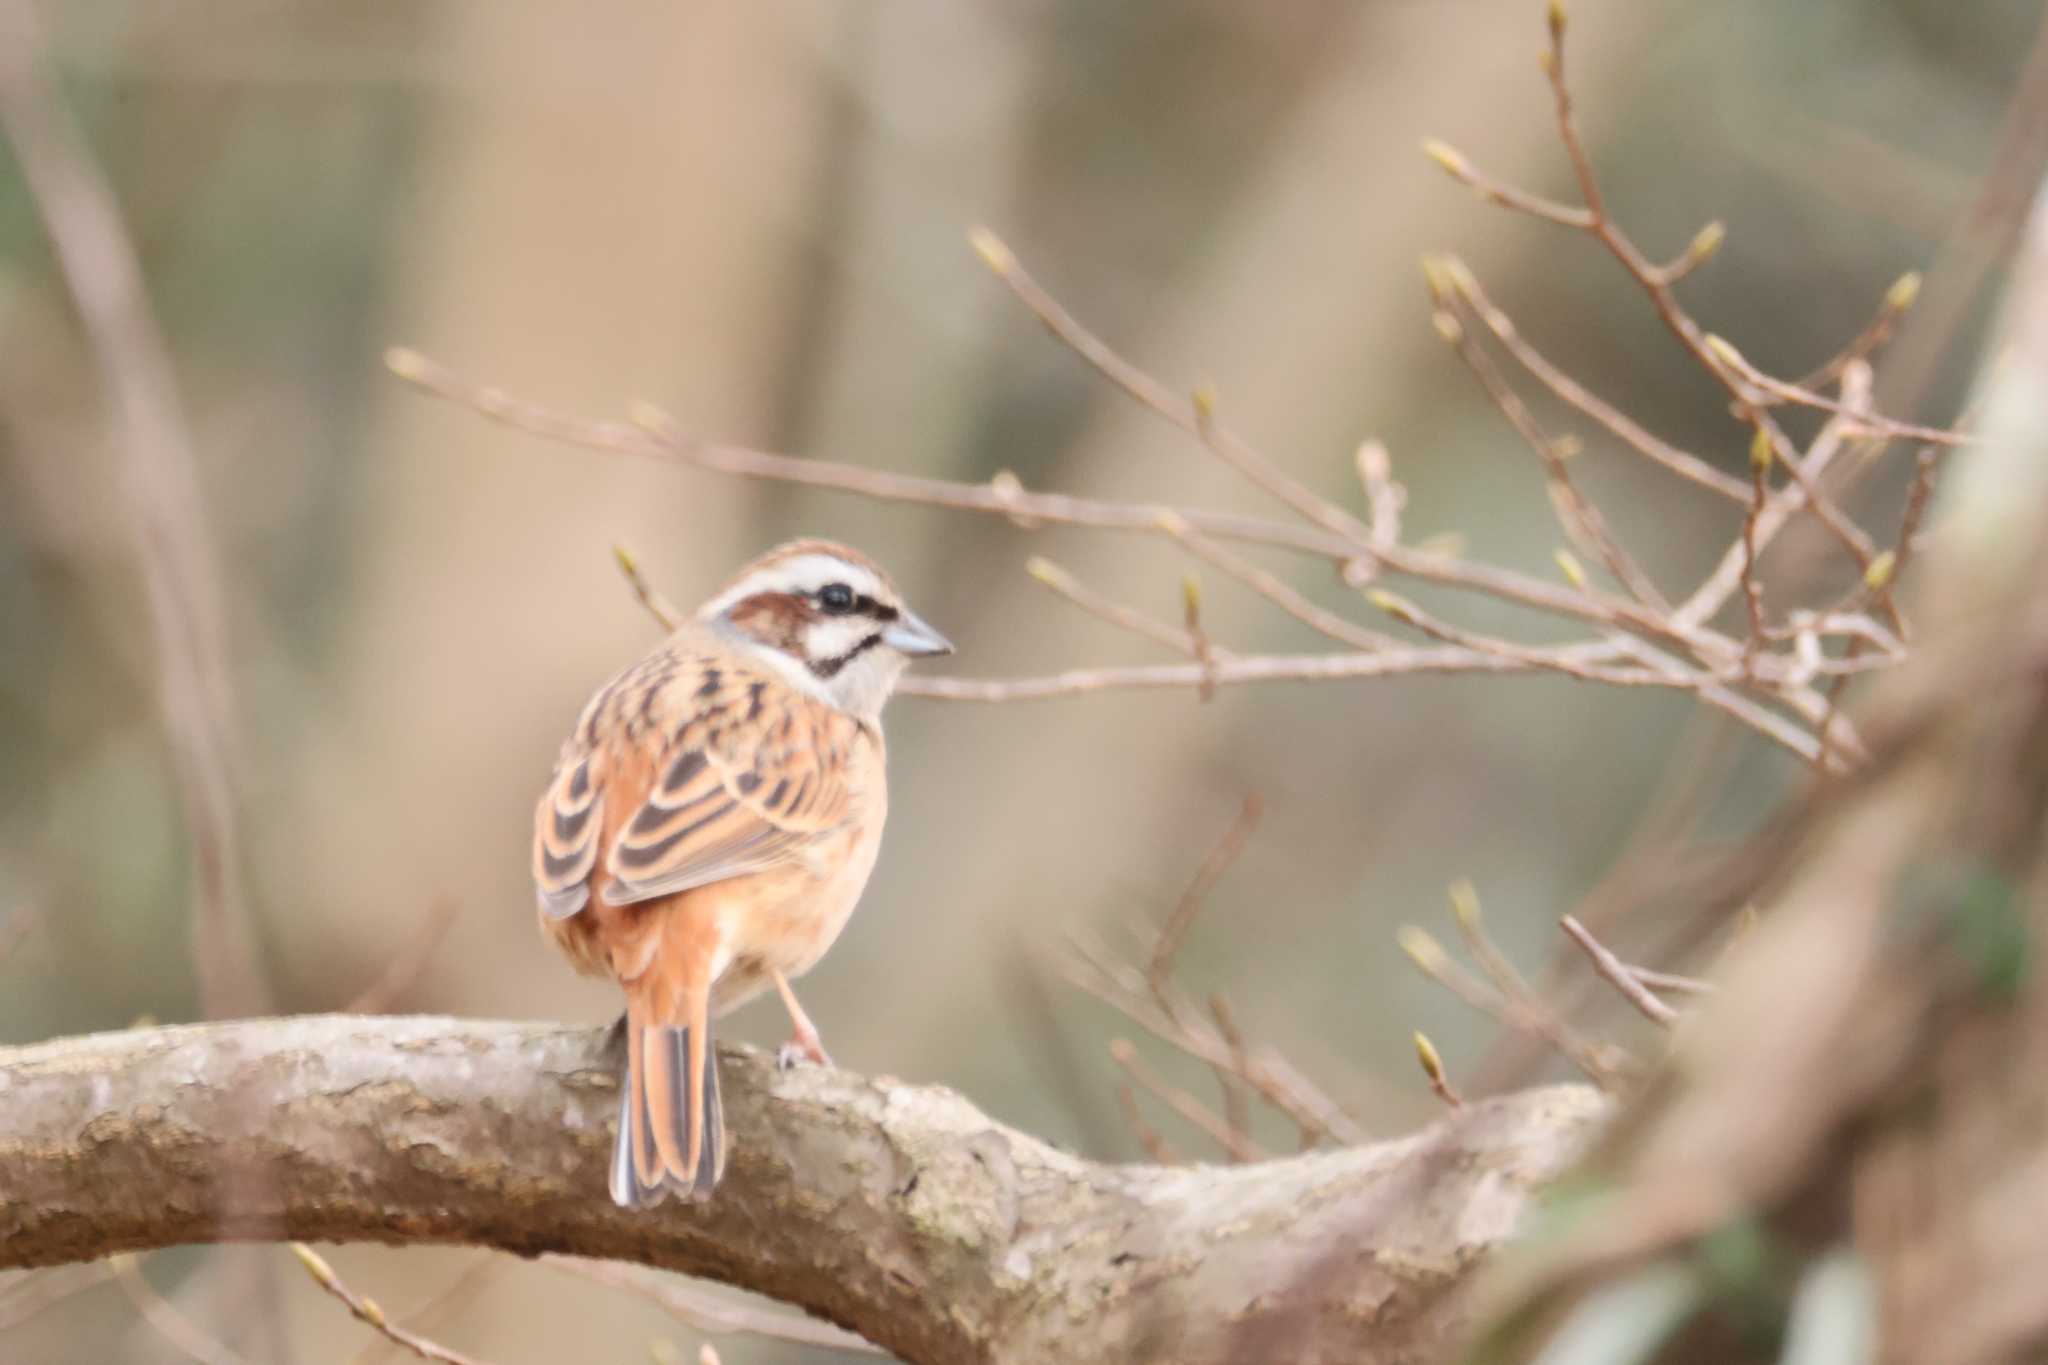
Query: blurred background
[{"x": 755, "y": 217}]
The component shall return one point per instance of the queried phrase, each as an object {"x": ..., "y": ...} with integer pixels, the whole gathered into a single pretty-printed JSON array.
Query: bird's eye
[{"x": 836, "y": 598}]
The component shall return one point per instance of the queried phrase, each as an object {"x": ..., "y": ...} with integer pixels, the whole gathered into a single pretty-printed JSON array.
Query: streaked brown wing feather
[
  {"x": 565, "y": 837},
  {"x": 751, "y": 773},
  {"x": 746, "y": 771}
]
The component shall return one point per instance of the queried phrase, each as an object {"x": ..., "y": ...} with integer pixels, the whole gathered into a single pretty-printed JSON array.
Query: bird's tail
[{"x": 671, "y": 1124}]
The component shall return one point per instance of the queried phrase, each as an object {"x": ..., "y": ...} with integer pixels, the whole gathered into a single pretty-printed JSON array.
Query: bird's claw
[{"x": 800, "y": 1050}]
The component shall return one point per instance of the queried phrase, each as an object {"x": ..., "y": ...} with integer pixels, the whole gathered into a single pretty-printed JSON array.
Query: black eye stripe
[{"x": 839, "y": 599}]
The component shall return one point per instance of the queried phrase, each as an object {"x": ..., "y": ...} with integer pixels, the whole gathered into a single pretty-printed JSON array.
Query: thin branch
[
  {"x": 1125, "y": 990},
  {"x": 1065, "y": 585},
  {"x": 1752, "y": 586},
  {"x": 1671, "y": 982},
  {"x": 1720, "y": 585},
  {"x": 1507, "y": 196},
  {"x": 1433, "y": 1068},
  {"x": 1159, "y": 970},
  {"x": 1874, "y": 424},
  {"x": 1230, "y": 1079},
  {"x": 1522, "y": 1011},
  {"x": 460, "y": 1291},
  {"x": 1194, "y": 415},
  {"x": 657, "y": 437},
  {"x": 1567, "y": 126},
  {"x": 1150, "y": 1139},
  {"x": 1585, "y": 662},
  {"x": 1918, "y": 498},
  {"x": 1270, "y": 587},
  {"x": 1705, "y": 243},
  {"x": 1568, "y": 390},
  {"x": 1759, "y": 718},
  {"x": 1383, "y": 497},
  {"x": 1897, "y": 300},
  {"x": 649, "y": 596},
  {"x": 369, "y": 1313},
  {"x": 1657, "y": 285},
  {"x": 1197, "y": 1115},
  {"x": 1582, "y": 521},
  {"x": 1620, "y": 975},
  {"x": 1205, "y": 653}
]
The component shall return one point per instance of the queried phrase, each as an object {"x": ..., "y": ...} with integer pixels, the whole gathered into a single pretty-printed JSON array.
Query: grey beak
[{"x": 909, "y": 635}]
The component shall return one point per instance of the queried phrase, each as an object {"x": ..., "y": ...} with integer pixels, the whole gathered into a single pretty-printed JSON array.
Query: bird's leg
[{"x": 805, "y": 1044}]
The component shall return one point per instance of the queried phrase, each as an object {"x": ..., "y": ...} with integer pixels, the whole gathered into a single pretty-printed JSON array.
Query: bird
[{"x": 710, "y": 824}]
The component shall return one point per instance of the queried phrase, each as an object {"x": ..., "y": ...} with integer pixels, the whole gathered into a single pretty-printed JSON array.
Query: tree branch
[{"x": 901, "y": 1212}]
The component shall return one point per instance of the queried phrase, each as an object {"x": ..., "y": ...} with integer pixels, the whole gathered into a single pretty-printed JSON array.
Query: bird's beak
[{"x": 909, "y": 635}]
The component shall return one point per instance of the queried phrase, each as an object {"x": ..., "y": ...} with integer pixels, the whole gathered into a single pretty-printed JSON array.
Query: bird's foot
[{"x": 802, "y": 1048}]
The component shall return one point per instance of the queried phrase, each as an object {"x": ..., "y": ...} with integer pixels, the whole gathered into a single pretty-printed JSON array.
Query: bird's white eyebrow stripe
[{"x": 804, "y": 573}]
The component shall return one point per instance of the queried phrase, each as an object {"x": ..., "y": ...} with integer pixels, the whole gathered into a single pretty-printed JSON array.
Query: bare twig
[
  {"x": 1620, "y": 975},
  {"x": 1383, "y": 496},
  {"x": 1752, "y": 585},
  {"x": 1897, "y": 300},
  {"x": 1191, "y": 617},
  {"x": 1657, "y": 284},
  {"x": 658, "y": 606},
  {"x": 165, "y": 1318},
  {"x": 161, "y": 490},
  {"x": 1870, "y": 422},
  {"x": 1199, "y": 1116},
  {"x": 1230, "y": 1079},
  {"x": 1271, "y": 587},
  {"x": 368, "y": 1312},
  {"x": 1671, "y": 982},
  {"x": 1918, "y": 497},
  {"x": 704, "y": 1311},
  {"x": 1582, "y": 521},
  {"x": 1680, "y": 462},
  {"x": 1642, "y": 640},
  {"x": 1280, "y": 1085},
  {"x": 1507, "y": 196},
  {"x": 1589, "y": 663},
  {"x": 657, "y": 437},
  {"x": 1433, "y": 1067},
  {"x": 460, "y": 1291},
  {"x": 1521, "y": 1010},
  {"x": 1065, "y": 585},
  {"x": 1149, "y": 1138},
  {"x": 1195, "y": 415},
  {"x": 1159, "y": 970},
  {"x": 1471, "y": 921},
  {"x": 1705, "y": 243},
  {"x": 1719, "y": 586}
]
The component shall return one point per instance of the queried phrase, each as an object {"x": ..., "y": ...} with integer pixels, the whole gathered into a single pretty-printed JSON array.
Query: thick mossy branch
[{"x": 899, "y": 1211}]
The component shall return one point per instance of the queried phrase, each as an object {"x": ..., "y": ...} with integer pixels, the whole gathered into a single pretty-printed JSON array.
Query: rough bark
[{"x": 899, "y": 1211}]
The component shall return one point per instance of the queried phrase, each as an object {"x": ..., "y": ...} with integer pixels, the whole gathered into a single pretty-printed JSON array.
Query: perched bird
[{"x": 711, "y": 823}]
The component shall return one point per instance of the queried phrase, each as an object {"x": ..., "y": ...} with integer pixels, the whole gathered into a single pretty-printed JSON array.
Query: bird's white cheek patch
[{"x": 835, "y": 638}]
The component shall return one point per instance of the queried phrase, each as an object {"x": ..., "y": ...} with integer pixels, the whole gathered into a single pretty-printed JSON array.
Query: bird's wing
[{"x": 745, "y": 772}]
